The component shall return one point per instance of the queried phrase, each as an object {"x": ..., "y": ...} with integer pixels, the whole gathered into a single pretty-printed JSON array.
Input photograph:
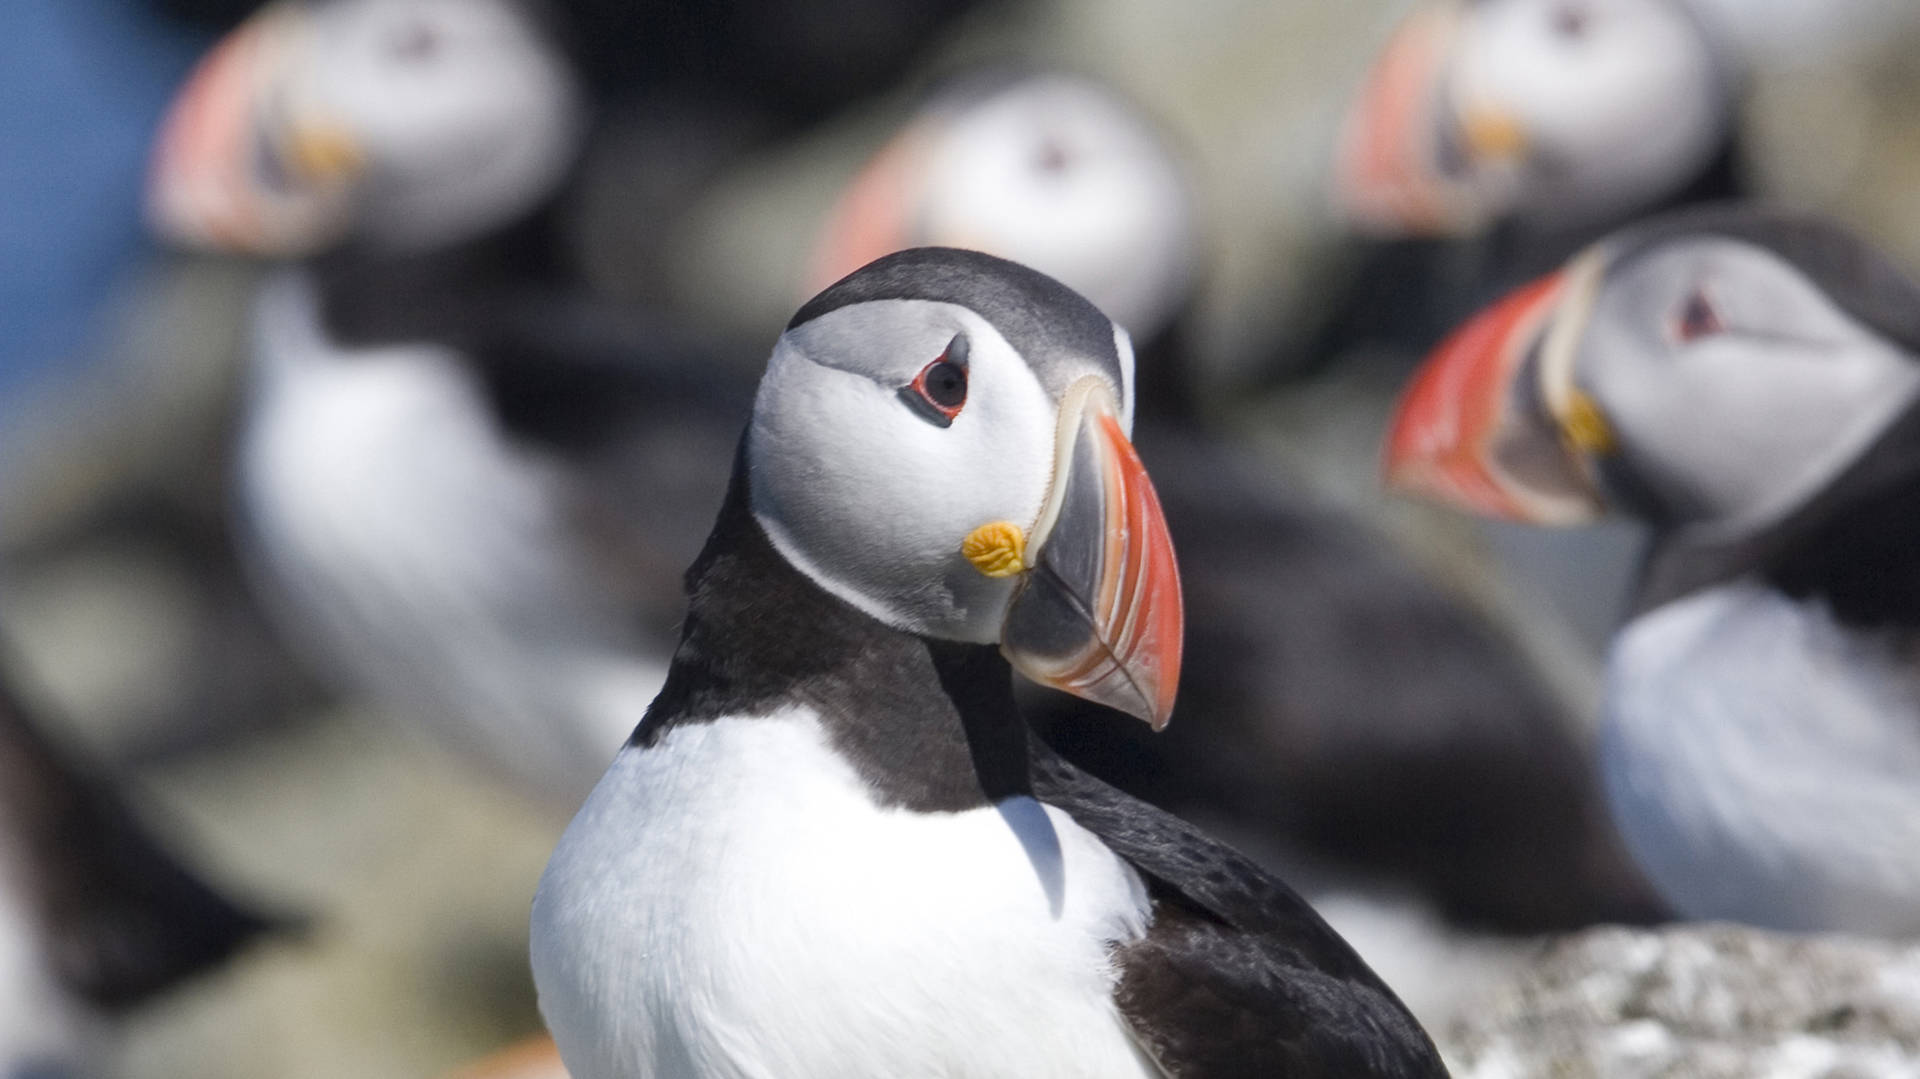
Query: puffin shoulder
[{"x": 1236, "y": 975}]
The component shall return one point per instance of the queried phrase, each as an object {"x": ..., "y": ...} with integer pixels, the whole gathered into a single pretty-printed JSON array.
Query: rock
[{"x": 1701, "y": 1002}]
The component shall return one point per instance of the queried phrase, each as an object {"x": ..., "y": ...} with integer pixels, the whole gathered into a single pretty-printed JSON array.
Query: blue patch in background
[{"x": 83, "y": 85}]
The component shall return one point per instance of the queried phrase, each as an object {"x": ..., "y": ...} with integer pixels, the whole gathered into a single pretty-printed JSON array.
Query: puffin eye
[
  {"x": 1570, "y": 21},
  {"x": 1052, "y": 157},
  {"x": 939, "y": 391},
  {"x": 415, "y": 42},
  {"x": 1697, "y": 318}
]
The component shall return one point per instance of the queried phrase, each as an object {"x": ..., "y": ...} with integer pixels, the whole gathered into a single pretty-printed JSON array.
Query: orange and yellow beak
[
  {"x": 240, "y": 166},
  {"x": 1098, "y": 612},
  {"x": 1389, "y": 175},
  {"x": 1492, "y": 424}
]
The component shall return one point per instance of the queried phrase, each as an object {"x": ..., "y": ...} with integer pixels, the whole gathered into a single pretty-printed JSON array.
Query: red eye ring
[
  {"x": 1697, "y": 318},
  {"x": 939, "y": 391}
]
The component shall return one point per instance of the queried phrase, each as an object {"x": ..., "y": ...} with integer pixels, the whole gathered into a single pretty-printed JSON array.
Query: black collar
[{"x": 930, "y": 725}]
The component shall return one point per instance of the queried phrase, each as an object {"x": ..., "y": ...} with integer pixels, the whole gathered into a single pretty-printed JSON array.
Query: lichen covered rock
[{"x": 1700, "y": 1002}]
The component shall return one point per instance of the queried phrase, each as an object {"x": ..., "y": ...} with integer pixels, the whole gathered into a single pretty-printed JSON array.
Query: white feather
[
  {"x": 732, "y": 903},
  {"x": 427, "y": 560},
  {"x": 1763, "y": 763}
]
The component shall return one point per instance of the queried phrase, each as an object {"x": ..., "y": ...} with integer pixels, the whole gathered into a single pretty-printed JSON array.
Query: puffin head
[
  {"x": 941, "y": 441},
  {"x": 1052, "y": 170},
  {"x": 1557, "y": 113},
  {"x": 1714, "y": 369},
  {"x": 404, "y": 124}
]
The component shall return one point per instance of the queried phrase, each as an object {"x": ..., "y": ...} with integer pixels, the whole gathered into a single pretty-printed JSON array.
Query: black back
[{"x": 1237, "y": 976}]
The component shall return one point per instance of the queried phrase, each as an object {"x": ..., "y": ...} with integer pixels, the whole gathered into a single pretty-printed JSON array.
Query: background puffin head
[
  {"x": 1710, "y": 370},
  {"x": 403, "y": 124},
  {"x": 1052, "y": 170},
  {"x": 1554, "y": 113},
  {"x": 941, "y": 441}
]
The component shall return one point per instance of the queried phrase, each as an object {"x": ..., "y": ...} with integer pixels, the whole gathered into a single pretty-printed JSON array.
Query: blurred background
[{"x": 711, "y": 165}]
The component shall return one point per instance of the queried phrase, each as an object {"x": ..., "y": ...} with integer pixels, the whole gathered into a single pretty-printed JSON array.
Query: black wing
[
  {"x": 121, "y": 917},
  {"x": 1237, "y": 976}
]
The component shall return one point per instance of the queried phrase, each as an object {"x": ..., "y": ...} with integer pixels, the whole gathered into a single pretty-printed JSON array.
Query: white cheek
[
  {"x": 1633, "y": 110},
  {"x": 1748, "y": 437},
  {"x": 872, "y": 501},
  {"x": 459, "y": 142}
]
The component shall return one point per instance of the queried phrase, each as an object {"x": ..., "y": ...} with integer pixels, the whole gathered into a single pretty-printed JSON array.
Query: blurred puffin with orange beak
[
  {"x": 1356, "y": 711},
  {"x": 1494, "y": 138},
  {"x": 1747, "y": 382},
  {"x": 465, "y": 484}
]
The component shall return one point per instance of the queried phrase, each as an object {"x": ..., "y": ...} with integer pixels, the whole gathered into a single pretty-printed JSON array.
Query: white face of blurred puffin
[
  {"x": 1697, "y": 374},
  {"x": 1049, "y": 170},
  {"x": 404, "y": 124},
  {"x": 940, "y": 440},
  {"x": 1735, "y": 387},
  {"x": 1558, "y": 112}
]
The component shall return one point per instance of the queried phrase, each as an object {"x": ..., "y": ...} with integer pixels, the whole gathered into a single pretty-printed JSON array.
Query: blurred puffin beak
[
  {"x": 1390, "y": 177},
  {"x": 1386, "y": 179},
  {"x": 1098, "y": 611},
  {"x": 874, "y": 216},
  {"x": 238, "y": 166},
  {"x": 1493, "y": 423}
]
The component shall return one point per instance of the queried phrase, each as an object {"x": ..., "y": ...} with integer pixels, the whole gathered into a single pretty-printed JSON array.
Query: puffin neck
[
  {"x": 452, "y": 293},
  {"x": 1851, "y": 544},
  {"x": 931, "y": 726}
]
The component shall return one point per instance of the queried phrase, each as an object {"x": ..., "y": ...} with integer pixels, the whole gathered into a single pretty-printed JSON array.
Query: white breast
[
  {"x": 425, "y": 559},
  {"x": 1763, "y": 763},
  {"x": 732, "y": 903}
]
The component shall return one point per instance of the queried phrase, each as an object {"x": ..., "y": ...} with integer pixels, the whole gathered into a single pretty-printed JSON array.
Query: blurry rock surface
[{"x": 1703, "y": 1001}]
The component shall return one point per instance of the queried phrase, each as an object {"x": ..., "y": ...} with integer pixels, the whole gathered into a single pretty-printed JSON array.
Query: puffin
[
  {"x": 1745, "y": 380},
  {"x": 465, "y": 485},
  {"x": 1359, "y": 715},
  {"x": 1493, "y": 139},
  {"x": 97, "y": 916},
  {"x": 832, "y": 846}
]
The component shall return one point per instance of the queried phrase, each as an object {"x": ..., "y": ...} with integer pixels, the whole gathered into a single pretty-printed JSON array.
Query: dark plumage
[
  {"x": 121, "y": 919},
  {"x": 1237, "y": 976}
]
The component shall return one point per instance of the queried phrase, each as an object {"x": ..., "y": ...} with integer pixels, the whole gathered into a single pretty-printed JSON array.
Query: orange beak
[
  {"x": 1473, "y": 430},
  {"x": 1099, "y": 614},
  {"x": 229, "y": 174},
  {"x": 1386, "y": 175}
]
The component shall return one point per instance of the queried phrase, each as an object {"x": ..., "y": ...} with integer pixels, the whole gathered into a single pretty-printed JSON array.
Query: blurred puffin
[
  {"x": 96, "y": 916},
  {"x": 832, "y": 847},
  {"x": 1494, "y": 138},
  {"x": 464, "y": 482},
  {"x": 1352, "y": 705},
  {"x": 1748, "y": 382}
]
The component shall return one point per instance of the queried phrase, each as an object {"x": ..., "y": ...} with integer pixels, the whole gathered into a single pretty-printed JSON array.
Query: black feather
[{"x": 120, "y": 917}]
